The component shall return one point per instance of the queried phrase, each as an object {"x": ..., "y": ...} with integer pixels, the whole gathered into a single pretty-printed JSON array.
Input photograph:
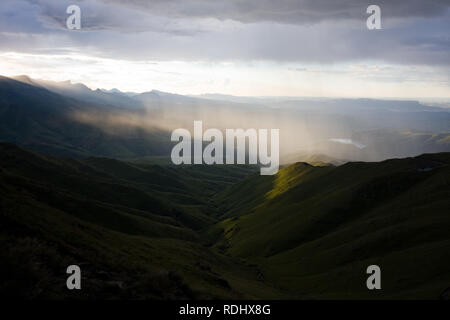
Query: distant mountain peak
[
  {"x": 160, "y": 93},
  {"x": 22, "y": 77},
  {"x": 113, "y": 90}
]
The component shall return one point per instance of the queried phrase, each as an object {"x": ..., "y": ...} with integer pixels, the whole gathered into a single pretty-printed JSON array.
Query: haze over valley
[{"x": 346, "y": 129}]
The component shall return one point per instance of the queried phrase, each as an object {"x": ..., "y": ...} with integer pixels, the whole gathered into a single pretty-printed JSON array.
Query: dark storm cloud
[
  {"x": 288, "y": 11},
  {"x": 414, "y": 32}
]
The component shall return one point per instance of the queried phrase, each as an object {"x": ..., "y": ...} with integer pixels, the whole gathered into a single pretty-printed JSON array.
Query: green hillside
[
  {"x": 132, "y": 230},
  {"x": 314, "y": 230},
  {"x": 142, "y": 230}
]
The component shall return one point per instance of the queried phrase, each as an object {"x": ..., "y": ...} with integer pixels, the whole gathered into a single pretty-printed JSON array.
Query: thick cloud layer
[
  {"x": 305, "y": 31},
  {"x": 287, "y": 11}
]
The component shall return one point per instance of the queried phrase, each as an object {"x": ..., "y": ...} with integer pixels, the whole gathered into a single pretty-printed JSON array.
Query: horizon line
[{"x": 417, "y": 99}]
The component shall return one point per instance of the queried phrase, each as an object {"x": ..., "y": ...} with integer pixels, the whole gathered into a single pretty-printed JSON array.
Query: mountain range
[
  {"x": 85, "y": 179},
  {"x": 61, "y": 118}
]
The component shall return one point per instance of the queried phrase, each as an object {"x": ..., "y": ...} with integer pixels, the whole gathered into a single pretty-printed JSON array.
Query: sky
[{"x": 313, "y": 48}]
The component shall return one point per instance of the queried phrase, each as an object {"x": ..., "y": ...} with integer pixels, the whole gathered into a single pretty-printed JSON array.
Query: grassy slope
[
  {"x": 116, "y": 221},
  {"x": 314, "y": 230},
  {"x": 148, "y": 231}
]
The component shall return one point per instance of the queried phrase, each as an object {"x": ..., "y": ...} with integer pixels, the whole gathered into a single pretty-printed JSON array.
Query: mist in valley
[{"x": 344, "y": 129}]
